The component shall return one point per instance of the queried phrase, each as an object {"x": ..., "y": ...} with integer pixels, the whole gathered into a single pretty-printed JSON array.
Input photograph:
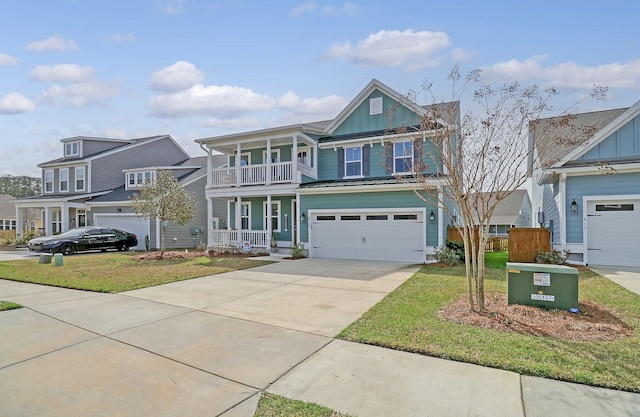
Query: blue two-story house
[
  {"x": 587, "y": 187},
  {"x": 343, "y": 188}
]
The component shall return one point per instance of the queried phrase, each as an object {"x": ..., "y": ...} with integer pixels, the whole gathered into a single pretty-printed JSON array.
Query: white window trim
[
  {"x": 70, "y": 145},
  {"x": 235, "y": 158},
  {"x": 66, "y": 170},
  {"x": 248, "y": 204},
  {"x": 84, "y": 178},
  {"x": 360, "y": 175},
  {"x": 279, "y": 216},
  {"x": 44, "y": 188},
  {"x": 264, "y": 156},
  {"x": 136, "y": 185},
  {"x": 396, "y": 157}
]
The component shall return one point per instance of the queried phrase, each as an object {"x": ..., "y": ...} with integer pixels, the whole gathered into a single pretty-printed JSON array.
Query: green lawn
[
  {"x": 496, "y": 260},
  {"x": 275, "y": 406},
  {"x": 117, "y": 272},
  {"x": 407, "y": 319},
  {"x": 7, "y": 305}
]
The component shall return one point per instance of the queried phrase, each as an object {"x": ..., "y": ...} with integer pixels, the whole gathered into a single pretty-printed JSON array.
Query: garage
[
  {"x": 127, "y": 222},
  {"x": 376, "y": 235},
  {"x": 612, "y": 232}
]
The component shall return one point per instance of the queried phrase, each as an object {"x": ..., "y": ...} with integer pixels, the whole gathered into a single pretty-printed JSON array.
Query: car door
[
  {"x": 90, "y": 240},
  {"x": 109, "y": 239}
]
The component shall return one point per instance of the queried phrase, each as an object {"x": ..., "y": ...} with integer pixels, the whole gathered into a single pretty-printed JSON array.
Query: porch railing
[
  {"x": 281, "y": 172},
  {"x": 237, "y": 238}
]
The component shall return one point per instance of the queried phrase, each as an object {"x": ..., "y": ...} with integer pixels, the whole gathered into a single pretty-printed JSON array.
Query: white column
[
  {"x": 48, "y": 230},
  {"x": 315, "y": 159},
  {"x": 238, "y": 165},
  {"x": 238, "y": 213},
  {"x": 209, "y": 168},
  {"x": 294, "y": 160},
  {"x": 268, "y": 161},
  {"x": 269, "y": 221},
  {"x": 209, "y": 221},
  {"x": 64, "y": 217},
  {"x": 297, "y": 216},
  {"x": 562, "y": 208},
  {"x": 19, "y": 220}
]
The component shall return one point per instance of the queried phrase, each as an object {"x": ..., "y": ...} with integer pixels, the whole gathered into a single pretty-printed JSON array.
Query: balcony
[{"x": 275, "y": 173}]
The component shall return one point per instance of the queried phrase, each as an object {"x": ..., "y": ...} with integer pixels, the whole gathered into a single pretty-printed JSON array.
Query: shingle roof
[
  {"x": 554, "y": 146},
  {"x": 507, "y": 210}
]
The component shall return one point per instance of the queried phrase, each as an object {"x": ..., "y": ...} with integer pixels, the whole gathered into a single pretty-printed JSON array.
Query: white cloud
[
  {"x": 14, "y": 103},
  {"x": 348, "y": 9},
  {"x": 392, "y": 48},
  {"x": 179, "y": 76},
  {"x": 567, "y": 74},
  {"x": 307, "y": 7},
  {"x": 324, "y": 107},
  {"x": 212, "y": 101},
  {"x": 81, "y": 94},
  {"x": 170, "y": 7},
  {"x": 8, "y": 61},
  {"x": 65, "y": 73},
  {"x": 53, "y": 44},
  {"x": 117, "y": 37}
]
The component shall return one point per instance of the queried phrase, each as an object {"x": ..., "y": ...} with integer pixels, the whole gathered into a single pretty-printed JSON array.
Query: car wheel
[
  {"x": 123, "y": 247},
  {"x": 67, "y": 249}
]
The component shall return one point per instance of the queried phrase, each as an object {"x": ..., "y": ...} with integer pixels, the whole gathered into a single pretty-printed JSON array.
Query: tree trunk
[
  {"x": 467, "y": 265},
  {"x": 162, "y": 234}
]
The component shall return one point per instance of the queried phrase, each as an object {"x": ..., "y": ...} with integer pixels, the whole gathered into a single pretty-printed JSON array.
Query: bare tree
[
  {"x": 481, "y": 158},
  {"x": 165, "y": 199}
]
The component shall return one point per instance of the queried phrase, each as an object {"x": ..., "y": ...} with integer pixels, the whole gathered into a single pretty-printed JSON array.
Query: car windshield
[{"x": 73, "y": 233}]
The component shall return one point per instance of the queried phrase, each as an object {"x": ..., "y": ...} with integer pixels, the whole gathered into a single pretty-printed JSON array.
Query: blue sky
[{"x": 200, "y": 68}]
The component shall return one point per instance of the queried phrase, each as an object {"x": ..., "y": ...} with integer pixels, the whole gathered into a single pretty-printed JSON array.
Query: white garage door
[
  {"x": 378, "y": 236},
  {"x": 128, "y": 223},
  {"x": 613, "y": 232}
]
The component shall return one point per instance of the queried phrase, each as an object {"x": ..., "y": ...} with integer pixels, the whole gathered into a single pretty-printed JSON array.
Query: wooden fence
[{"x": 522, "y": 244}]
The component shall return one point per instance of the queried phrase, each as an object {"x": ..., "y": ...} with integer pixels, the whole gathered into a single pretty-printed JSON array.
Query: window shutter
[
  {"x": 366, "y": 151},
  {"x": 388, "y": 157},
  {"x": 418, "y": 163},
  {"x": 340, "y": 162}
]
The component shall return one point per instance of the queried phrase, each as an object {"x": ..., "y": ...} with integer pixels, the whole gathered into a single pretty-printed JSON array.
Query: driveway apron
[{"x": 200, "y": 347}]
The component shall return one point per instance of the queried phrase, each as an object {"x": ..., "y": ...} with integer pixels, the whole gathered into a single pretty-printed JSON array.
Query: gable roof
[
  {"x": 7, "y": 208},
  {"x": 585, "y": 131},
  {"x": 508, "y": 209}
]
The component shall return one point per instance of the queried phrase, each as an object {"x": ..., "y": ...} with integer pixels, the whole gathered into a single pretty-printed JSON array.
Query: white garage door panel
[
  {"x": 128, "y": 223},
  {"x": 613, "y": 236},
  {"x": 380, "y": 240}
]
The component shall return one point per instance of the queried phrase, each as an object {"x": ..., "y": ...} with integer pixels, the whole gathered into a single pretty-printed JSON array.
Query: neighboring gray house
[
  {"x": 513, "y": 211},
  {"x": 587, "y": 187},
  {"x": 93, "y": 181}
]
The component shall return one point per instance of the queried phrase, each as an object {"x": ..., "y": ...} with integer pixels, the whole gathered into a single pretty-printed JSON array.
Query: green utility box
[{"x": 542, "y": 285}]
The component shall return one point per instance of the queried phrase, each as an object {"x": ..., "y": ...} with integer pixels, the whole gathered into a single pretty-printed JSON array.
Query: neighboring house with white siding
[
  {"x": 93, "y": 181},
  {"x": 588, "y": 190},
  {"x": 334, "y": 185}
]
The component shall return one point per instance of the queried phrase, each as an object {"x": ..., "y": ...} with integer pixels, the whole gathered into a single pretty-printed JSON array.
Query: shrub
[
  {"x": 555, "y": 257},
  {"x": 457, "y": 247},
  {"x": 447, "y": 256},
  {"x": 297, "y": 251}
]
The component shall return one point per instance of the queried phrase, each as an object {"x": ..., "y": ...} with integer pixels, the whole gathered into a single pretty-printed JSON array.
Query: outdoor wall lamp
[
  {"x": 574, "y": 207},
  {"x": 303, "y": 218},
  {"x": 432, "y": 217}
]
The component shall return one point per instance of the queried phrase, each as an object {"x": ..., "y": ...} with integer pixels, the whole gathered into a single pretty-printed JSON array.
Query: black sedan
[{"x": 84, "y": 239}]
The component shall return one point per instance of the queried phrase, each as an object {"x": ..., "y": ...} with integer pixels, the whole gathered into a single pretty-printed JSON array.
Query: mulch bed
[
  {"x": 594, "y": 323},
  {"x": 156, "y": 256}
]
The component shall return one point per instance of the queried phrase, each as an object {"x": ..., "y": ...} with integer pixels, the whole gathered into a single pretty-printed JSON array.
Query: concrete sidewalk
[
  {"x": 210, "y": 346},
  {"x": 628, "y": 277}
]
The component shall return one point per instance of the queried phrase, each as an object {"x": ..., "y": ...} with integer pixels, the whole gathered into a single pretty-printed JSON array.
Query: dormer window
[
  {"x": 139, "y": 178},
  {"x": 72, "y": 149}
]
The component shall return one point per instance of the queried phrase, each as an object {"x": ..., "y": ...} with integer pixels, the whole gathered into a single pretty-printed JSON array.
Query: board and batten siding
[
  {"x": 623, "y": 143},
  {"x": 592, "y": 185},
  {"x": 106, "y": 171},
  {"x": 374, "y": 200}
]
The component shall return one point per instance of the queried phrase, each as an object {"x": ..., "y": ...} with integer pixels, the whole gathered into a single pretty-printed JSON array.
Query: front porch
[
  {"x": 260, "y": 174},
  {"x": 239, "y": 238}
]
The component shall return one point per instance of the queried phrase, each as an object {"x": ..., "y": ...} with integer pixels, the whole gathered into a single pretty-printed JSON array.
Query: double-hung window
[
  {"x": 72, "y": 149},
  {"x": 80, "y": 174},
  {"x": 353, "y": 162},
  {"x": 403, "y": 157},
  {"x": 245, "y": 216},
  {"x": 48, "y": 181},
  {"x": 138, "y": 179},
  {"x": 64, "y": 180}
]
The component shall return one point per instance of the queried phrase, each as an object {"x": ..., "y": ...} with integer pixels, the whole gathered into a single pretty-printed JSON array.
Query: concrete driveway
[
  {"x": 628, "y": 277},
  {"x": 206, "y": 346}
]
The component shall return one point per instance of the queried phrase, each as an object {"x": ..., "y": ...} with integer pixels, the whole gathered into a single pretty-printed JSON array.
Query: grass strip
[{"x": 276, "y": 406}]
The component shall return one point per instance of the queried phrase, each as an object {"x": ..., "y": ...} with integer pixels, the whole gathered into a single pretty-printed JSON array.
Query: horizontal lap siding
[
  {"x": 182, "y": 234},
  {"x": 578, "y": 187},
  {"x": 382, "y": 200}
]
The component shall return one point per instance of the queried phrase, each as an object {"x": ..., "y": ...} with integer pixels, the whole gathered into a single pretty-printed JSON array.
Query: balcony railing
[
  {"x": 281, "y": 172},
  {"x": 237, "y": 238}
]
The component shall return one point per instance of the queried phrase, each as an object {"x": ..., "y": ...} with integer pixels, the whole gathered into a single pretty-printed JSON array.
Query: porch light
[
  {"x": 303, "y": 217},
  {"x": 574, "y": 207},
  {"x": 432, "y": 217}
]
